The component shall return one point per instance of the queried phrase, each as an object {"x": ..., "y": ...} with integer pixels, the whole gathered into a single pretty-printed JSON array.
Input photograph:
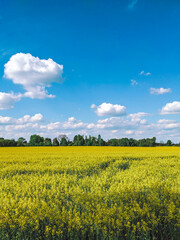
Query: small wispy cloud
[
  {"x": 143, "y": 73},
  {"x": 134, "y": 82},
  {"x": 5, "y": 52},
  {"x": 158, "y": 91},
  {"x": 132, "y": 4}
]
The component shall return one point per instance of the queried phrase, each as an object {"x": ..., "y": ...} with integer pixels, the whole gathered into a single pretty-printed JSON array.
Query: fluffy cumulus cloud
[
  {"x": 71, "y": 123},
  {"x": 38, "y": 92},
  {"x": 6, "y": 120},
  {"x": 7, "y": 100},
  {"x": 112, "y": 123},
  {"x": 135, "y": 126},
  {"x": 120, "y": 123},
  {"x": 25, "y": 119},
  {"x": 51, "y": 126},
  {"x": 17, "y": 127},
  {"x": 159, "y": 91},
  {"x": 108, "y": 109},
  {"x": 33, "y": 74},
  {"x": 171, "y": 108},
  {"x": 168, "y": 124}
]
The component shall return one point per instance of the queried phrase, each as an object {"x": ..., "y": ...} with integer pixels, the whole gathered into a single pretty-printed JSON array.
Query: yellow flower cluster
[{"x": 90, "y": 193}]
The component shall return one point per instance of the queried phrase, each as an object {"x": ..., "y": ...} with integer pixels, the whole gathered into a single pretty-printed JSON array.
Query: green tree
[
  {"x": 142, "y": 143},
  {"x": 63, "y": 141},
  {"x": 62, "y": 136},
  {"x": 169, "y": 143},
  {"x": 21, "y": 141},
  {"x": 132, "y": 142},
  {"x": 123, "y": 142},
  {"x": 36, "y": 140},
  {"x": 70, "y": 143},
  {"x": 152, "y": 142},
  {"x": 47, "y": 142},
  {"x": 1, "y": 142},
  {"x": 55, "y": 142},
  {"x": 93, "y": 141},
  {"x": 78, "y": 140},
  {"x": 113, "y": 142},
  {"x": 100, "y": 141}
]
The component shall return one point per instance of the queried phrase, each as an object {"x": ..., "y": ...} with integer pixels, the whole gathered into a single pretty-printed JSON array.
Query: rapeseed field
[{"x": 90, "y": 193}]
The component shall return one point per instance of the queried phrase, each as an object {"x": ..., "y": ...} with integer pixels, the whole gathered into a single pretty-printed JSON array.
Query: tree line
[{"x": 80, "y": 140}]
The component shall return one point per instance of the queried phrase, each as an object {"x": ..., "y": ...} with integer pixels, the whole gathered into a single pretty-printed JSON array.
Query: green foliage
[
  {"x": 55, "y": 142},
  {"x": 78, "y": 140},
  {"x": 124, "y": 142},
  {"x": 7, "y": 142},
  {"x": 21, "y": 142},
  {"x": 149, "y": 142},
  {"x": 63, "y": 142},
  {"x": 100, "y": 141},
  {"x": 36, "y": 140},
  {"x": 47, "y": 142},
  {"x": 169, "y": 143}
]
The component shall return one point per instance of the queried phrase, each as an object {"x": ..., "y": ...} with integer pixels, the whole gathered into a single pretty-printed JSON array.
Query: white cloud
[
  {"x": 6, "y": 120},
  {"x": 171, "y": 108},
  {"x": 114, "y": 131},
  {"x": 51, "y": 126},
  {"x": 33, "y": 74},
  {"x": 143, "y": 121},
  {"x": 37, "y": 117},
  {"x": 144, "y": 73},
  {"x": 93, "y": 106},
  {"x": 91, "y": 126},
  {"x": 167, "y": 124},
  {"x": 27, "y": 126},
  {"x": 133, "y": 126},
  {"x": 158, "y": 91},
  {"x": 136, "y": 118},
  {"x": 138, "y": 115},
  {"x": 72, "y": 120},
  {"x": 108, "y": 109},
  {"x": 165, "y": 121},
  {"x": 27, "y": 119},
  {"x": 7, "y": 100},
  {"x": 38, "y": 92},
  {"x": 73, "y": 123},
  {"x": 17, "y": 127},
  {"x": 134, "y": 82},
  {"x": 120, "y": 123},
  {"x": 129, "y": 132}
]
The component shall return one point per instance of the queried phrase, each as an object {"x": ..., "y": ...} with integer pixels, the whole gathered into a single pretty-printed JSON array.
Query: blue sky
[{"x": 114, "y": 68}]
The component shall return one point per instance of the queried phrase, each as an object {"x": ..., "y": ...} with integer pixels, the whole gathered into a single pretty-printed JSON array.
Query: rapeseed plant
[{"x": 90, "y": 193}]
